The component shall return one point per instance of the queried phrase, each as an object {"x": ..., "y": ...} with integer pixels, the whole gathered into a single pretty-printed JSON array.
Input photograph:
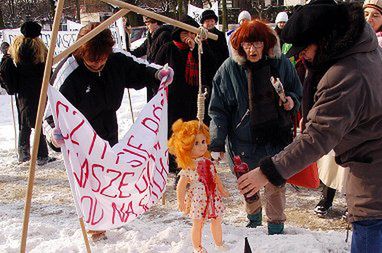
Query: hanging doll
[{"x": 202, "y": 200}]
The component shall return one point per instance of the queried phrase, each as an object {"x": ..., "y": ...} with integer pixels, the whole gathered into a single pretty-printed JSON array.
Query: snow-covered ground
[{"x": 54, "y": 226}]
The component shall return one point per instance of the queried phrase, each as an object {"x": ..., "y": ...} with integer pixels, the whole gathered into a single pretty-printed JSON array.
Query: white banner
[
  {"x": 196, "y": 12},
  {"x": 64, "y": 38},
  {"x": 114, "y": 185}
]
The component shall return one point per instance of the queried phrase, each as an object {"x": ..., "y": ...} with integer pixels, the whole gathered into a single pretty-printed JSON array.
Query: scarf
[{"x": 191, "y": 71}]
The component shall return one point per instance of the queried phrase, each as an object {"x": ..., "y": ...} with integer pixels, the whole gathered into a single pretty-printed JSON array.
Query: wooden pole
[
  {"x": 40, "y": 112},
  {"x": 14, "y": 124},
  {"x": 158, "y": 17},
  {"x": 131, "y": 106},
  {"x": 85, "y": 235},
  {"x": 90, "y": 35}
]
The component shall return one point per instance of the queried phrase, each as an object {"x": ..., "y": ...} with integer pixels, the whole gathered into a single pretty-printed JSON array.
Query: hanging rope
[{"x": 203, "y": 33}]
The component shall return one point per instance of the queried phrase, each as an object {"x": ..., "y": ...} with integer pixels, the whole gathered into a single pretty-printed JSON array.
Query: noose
[{"x": 203, "y": 33}]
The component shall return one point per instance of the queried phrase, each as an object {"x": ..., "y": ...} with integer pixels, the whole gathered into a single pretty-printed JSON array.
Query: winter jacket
[
  {"x": 218, "y": 47},
  {"x": 229, "y": 104},
  {"x": 153, "y": 43},
  {"x": 99, "y": 95},
  {"x": 346, "y": 117},
  {"x": 182, "y": 97},
  {"x": 25, "y": 81}
]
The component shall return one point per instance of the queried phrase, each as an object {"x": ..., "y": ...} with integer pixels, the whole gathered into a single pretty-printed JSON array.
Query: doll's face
[{"x": 200, "y": 146}]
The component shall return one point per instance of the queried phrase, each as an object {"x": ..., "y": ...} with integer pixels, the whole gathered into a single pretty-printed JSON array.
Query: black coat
[
  {"x": 25, "y": 81},
  {"x": 219, "y": 48},
  {"x": 153, "y": 43},
  {"x": 182, "y": 97},
  {"x": 99, "y": 95}
]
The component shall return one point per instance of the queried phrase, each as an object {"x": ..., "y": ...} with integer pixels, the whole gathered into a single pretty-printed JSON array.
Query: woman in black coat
[
  {"x": 181, "y": 54},
  {"x": 22, "y": 75}
]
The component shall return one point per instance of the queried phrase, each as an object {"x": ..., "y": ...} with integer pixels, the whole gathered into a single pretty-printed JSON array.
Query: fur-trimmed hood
[
  {"x": 275, "y": 52},
  {"x": 346, "y": 34}
]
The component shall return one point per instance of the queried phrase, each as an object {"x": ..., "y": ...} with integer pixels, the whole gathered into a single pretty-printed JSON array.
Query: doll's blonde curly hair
[{"x": 182, "y": 141}]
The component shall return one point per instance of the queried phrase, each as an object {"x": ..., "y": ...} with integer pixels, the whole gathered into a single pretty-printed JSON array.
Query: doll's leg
[
  {"x": 196, "y": 233},
  {"x": 216, "y": 230}
]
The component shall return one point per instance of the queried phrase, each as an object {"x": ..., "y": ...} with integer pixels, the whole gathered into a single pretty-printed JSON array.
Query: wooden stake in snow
[
  {"x": 14, "y": 124},
  {"x": 40, "y": 112}
]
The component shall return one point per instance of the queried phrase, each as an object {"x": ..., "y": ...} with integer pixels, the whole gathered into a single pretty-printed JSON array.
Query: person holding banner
[
  {"x": 93, "y": 79},
  {"x": 246, "y": 110},
  {"x": 22, "y": 72}
]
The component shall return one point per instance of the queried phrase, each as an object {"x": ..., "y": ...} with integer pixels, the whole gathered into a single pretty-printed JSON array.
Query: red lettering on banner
[
  {"x": 151, "y": 124},
  {"x": 58, "y": 104},
  {"x": 92, "y": 144},
  {"x": 157, "y": 108},
  {"x": 144, "y": 206},
  {"x": 94, "y": 166},
  {"x": 104, "y": 151},
  {"x": 122, "y": 184},
  {"x": 143, "y": 176},
  {"x": 93, "y": 208},
  {"x": 84, "y": 174},
  {"x": 111, "y": 182},
  {"x": 75, "y": 130},
  {"x": 122, "y": 213}
]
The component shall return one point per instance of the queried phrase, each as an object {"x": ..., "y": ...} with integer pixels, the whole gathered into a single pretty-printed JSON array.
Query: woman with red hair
[{"x": 246, "y": 110}]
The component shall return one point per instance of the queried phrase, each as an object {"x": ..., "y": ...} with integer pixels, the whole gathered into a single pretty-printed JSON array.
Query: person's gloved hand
[
  {"x": 57, "y": 138},
  {"x": 167, "y": 72}
]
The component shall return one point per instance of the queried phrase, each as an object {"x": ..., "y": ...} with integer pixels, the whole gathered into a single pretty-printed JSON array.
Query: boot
[
  {"x": 255, "y": 220},
  {"x": 326, "y": 201},
  {"x": 24, "y": 145},
  {"x": 275, "y": 228},
  {"x": 97, "y": 235}
]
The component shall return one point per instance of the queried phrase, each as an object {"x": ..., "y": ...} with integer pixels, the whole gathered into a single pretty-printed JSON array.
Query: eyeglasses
[
  {"x": 147, "y": 22},
  {"x": 248, "y": 45}
]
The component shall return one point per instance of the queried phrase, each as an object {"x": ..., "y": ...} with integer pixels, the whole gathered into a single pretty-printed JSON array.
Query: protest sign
[{"x": 114, "y": 185}]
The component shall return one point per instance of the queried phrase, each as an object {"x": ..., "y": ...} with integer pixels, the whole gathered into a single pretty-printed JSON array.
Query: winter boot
[
  {"x": 326, "y": 201},
  {"x": 23, "y": 153},
  {"x": 44, "y": 160},
  {"x": 275, "y": 228},
  {"x": 255, "y": 219}
]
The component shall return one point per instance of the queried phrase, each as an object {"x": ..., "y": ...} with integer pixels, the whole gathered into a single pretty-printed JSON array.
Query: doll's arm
[
  {"x": 181, "y": 192},
  {"x": 220, "y": 186}
]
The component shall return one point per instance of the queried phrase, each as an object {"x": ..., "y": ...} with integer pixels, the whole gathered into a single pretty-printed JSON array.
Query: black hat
[
  {"x": 184, "y": 19},
  {"x": 309, "y": 24},
  {"x": 31, "y": 29},
  {"x": 208, "y": 14}
]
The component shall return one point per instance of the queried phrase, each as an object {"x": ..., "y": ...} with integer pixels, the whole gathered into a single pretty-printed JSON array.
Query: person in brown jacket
[{"x": 346, "y": 115}]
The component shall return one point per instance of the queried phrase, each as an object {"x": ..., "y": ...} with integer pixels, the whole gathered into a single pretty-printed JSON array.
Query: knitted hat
[
  {"x": 282, "y": 17},
  {"x": 309, "y": 24},
  {"x": 31, "y": 29},
  {"x": 208, "y": 14},
  {"x": 375, "y": 4},
  {"x": 244, "y": 15},
  {"x": 184, "y": 19}
]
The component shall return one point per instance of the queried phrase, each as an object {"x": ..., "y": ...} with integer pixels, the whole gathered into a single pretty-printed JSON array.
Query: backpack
[{"x": 8, "y": 75}]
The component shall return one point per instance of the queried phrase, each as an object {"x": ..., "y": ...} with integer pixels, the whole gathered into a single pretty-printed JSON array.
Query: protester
[
  {"x": 158, "y": 35},
  {"x": 22, "y": 72},
  {"x": 4, "y": 50},
  {"x": 245, "y": 110},
  {"x": 281, "y": 20},
  {"x": 182, "y": 55},
  {"x": 218, "y": 47},
  {"x": 243, "y": 16},
  {"x": 346, "y": 115},
  {"x": 127, "y": 30},
  {"x": 373, "y": 15},
  {"x": 93, "y": 79}
]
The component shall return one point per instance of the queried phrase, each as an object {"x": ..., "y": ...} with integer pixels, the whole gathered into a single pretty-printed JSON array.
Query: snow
[{"x": 54, "y": 225}]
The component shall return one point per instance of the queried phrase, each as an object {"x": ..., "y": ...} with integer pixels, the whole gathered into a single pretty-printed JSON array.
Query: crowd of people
[{"x": 327, "y": 56}]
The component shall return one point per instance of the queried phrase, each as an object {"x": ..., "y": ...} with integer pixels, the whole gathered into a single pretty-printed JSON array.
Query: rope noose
[{"x": 203, "y": 33}]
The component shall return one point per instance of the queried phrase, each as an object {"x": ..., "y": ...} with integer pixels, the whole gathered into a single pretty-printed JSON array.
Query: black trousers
[{"x": 24, "y": 144}]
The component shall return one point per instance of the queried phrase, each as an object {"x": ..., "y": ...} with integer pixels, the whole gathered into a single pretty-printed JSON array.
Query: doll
[{"x": 202, "y": 200}]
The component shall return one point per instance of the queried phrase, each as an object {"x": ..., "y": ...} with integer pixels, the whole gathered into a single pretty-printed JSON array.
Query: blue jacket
[{"x": 228, "y": 108}]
